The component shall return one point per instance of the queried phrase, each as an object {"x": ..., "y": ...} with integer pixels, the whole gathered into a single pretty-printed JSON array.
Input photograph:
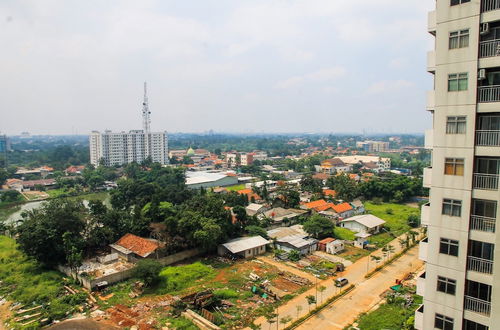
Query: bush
[
  {"x": 294, "y": 255},
  {"x": 226, "y": 294},
  {"x": 10, "y": 196},
  {"x": 413, "y": 220},
  {"x": 256, "y": 231},
  {"x": 389, "y": 211},
  {"x": 148, "y": 271}
]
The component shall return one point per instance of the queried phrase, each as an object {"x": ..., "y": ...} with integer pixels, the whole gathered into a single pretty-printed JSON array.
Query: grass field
[
  {"x": 343, "y": 233},
  {"x": 24, "y": 281},
  {"x": 395, "y": 215},
  {"x": 352, "y": 253},
  {"x": 236, "y": 187},
  {"x": 389, "y": 316}
]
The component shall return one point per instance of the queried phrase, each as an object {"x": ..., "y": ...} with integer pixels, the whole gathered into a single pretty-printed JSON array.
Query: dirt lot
[{"x": 150, "y": 311}]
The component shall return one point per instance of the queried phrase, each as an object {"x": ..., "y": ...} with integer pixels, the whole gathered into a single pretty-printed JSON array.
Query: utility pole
[{"x": 146, "y": 123}]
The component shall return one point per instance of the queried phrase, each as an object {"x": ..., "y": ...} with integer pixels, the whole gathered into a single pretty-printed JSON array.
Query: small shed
[
  {"x": 245, "y": 247},
  {"x": 322, "y": 244},
  {"x": 132, "y": 248},
  {"x": 361, "y": 240},
  {"x": 335, "y": 247}
]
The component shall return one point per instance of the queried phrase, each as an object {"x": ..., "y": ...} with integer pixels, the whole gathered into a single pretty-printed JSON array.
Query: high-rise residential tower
[
  {"x": 461, "y": 283},
  {"x": 135, "y": 146}
]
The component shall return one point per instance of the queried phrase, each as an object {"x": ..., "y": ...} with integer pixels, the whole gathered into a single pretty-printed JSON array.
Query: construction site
[{"x": 231, "y": 295}]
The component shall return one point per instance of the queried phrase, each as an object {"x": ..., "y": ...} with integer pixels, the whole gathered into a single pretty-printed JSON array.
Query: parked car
[{"x": 341, "y": 281}]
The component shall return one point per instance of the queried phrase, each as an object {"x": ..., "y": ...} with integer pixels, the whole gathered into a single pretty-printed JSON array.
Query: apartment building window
[
  {"x": 459, "y": 39},
  {"x": 458, "y": 2},
  {"x": 457, "y": 82},
  {"x": 448, "y": 246},
  {"x": 454, "y": 166},
  {"x": 443, "y": 322},
  {"x": 470, "y": 325},
  {"x": 452, "y": 207},
  {"x": 446, "y": 285},
  {"x": 455, "y": 125}
]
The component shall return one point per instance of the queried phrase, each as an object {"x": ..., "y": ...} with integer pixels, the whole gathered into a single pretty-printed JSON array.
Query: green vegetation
[
  {"x": 177, "y": 278},
  {"x": 396, "y": 217},
  {"x": 352, "y": 253},
  {"x": 24, "y": 281},
  {"x": 396, "y": 314},
  {"x": 148, "y": 271},
  {"x": 236, "y": 187},
  {"x": 343, "y": 233},
  {"x": 180, "y": 323},
  {"x": 318, "y": 226}
]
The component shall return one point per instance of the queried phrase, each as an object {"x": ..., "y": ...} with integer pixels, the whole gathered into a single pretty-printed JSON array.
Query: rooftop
[
  {"x": 140, "y": 246},
  {"x": 367, "y": 220},
  {"x": 244, "y": 243}
]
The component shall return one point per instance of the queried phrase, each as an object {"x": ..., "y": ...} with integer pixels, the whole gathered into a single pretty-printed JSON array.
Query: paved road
[
  {"x": 355, "y": 274},
  {"x": 366, "y": 295}
]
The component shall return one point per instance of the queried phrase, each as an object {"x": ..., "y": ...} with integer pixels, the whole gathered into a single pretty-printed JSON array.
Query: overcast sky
[{"x": 231, "y": 66}]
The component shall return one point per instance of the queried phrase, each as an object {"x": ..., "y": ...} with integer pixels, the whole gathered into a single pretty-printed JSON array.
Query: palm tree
[
  {"x": 321, "y": 288},
  {"x": 310, "y": 300}
]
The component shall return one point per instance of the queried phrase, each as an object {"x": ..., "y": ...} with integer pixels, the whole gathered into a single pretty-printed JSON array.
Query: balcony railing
[
  {"x": 489, "y": 48},
  {"x": 488, "y": 138},
  {"x": 478, "y": 222},
  {"x": 480, "y": 265},
  {"x": 485, "y": 181},
  {"x": 489, "y": 93},
  {"x": 488, "y": 5},
  {"x": 477, "y": 305}
]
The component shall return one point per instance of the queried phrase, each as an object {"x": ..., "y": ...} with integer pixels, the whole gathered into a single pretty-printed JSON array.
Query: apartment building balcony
[
  {"x": 423, "y": 249},
  {"x": 432, "y": 22},
  {"x": 488, "y": 130},
  {"x": 425, "y": 214},
  {"x": 485, "y": 181},
  {"x": 419, "y": 318},
  {"x": 421, "y": 284},
  {"x": 480, "y": 265},
  {"x": 427, "y": 177},
  {"x": 482, "y": 223},
  {"x": 431, "y": 100},
  {"x": 488, "y": 138},
  {"x": 477, "y": 305},
  {"x": 429, "y": 139},
  {"x": 489, "y": 5},
  {"x": 489, "y": 93},
  {"x": 431, "y": 62}
]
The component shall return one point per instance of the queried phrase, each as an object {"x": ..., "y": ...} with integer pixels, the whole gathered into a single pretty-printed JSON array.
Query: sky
[{"x": 259, "y": 66}]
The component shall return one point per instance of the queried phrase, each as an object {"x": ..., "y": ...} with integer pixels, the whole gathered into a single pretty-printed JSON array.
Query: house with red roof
[
  {"x": 133, "y": 248},
  {"x": 252, "y": 197},
  {"x": 344, "y": 210}
]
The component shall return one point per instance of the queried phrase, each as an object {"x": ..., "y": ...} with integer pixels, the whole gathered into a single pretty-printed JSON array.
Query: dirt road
[
  {"x": 366, "y": 294},
  {"x": 356, "y": 275}
]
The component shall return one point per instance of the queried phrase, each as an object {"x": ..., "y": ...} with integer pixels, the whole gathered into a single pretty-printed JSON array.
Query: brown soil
[{"x": 84, "y": 324}]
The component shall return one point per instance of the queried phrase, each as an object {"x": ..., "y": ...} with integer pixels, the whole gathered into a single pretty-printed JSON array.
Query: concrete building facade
[
  {"x": 123, "y": 148},
  {"x": 462, "y": 243}
]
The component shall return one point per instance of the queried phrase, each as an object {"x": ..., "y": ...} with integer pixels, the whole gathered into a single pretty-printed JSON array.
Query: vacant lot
[
  {"x": 352, "y": 253},
  {"x": 396, "y": 217},
  {"x": 229, "y": 282}
]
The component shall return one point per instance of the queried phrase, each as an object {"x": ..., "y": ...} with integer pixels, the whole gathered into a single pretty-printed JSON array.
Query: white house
[
  {"x": 365, "y": 223},
  {"x": 245, "y": 247}
]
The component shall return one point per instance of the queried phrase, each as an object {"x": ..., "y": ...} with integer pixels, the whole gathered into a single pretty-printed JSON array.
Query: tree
[
  {"x": 4, "y": 175},
  {"x": 10, "y": 196},
  {"x": 344, "y": 186},
  {"x": 285, "y": 319},
  {"x": 256, "y": 231},
  {"x": 40, "y": 234},
  {"x": 73, "y": 246},
  {"x": 318, "y": 226},
  {"x": 294, "y": 255},
  {"x": 148, "y": 271},
  {"x": 298, "y": 308},
  {"x": 321, "y": 288},
  {"x": 310, "y": 300},
  {"x": 413, "y": 221}
]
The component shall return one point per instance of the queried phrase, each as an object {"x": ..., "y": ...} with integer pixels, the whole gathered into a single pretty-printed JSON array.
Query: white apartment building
[
  {"x": 462, "y": 243},
  {"x": 383, "y": 163},
  {"x": 123, "y": 148},
  {"x": 373, "y": 146}
]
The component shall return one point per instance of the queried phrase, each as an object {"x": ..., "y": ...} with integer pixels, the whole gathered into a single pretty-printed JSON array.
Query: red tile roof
[
  {"x": 315, "y": 204},
  {"x": 329, "y": 192},
  {"x": 342, "y": 207},
  {"x": 138, "y": 245},
  {"x": 327, "y": 240},
  {"x": 249, "y": 192}
]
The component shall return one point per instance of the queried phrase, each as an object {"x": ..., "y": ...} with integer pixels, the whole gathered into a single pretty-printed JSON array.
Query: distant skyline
[{"x": 342, "y": 66}]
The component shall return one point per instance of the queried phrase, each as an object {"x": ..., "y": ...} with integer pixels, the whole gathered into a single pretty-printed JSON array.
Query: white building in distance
[{"x": 135, "y": 146}]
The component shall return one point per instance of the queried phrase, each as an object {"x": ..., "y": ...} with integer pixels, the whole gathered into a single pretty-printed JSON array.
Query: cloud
[
  {"x": 389, "y": 86},
  {"x": 324, "y": 74}
]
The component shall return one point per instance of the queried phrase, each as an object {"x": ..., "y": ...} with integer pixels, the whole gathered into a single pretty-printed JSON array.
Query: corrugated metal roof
[{"x": 245, "y": 243}]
